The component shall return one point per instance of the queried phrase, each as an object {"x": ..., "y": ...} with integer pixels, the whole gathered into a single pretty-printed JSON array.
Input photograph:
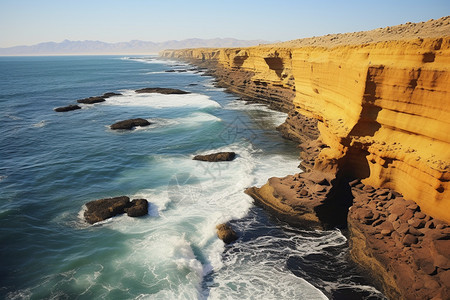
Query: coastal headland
[{"x": 371, "y": 113}]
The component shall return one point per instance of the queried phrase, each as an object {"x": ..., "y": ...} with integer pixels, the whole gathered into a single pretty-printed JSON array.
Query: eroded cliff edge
[{"x": 371, "y": 115}]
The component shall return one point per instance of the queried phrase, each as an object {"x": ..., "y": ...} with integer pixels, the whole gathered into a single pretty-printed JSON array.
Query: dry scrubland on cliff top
[{"x": 430, "y": 29}]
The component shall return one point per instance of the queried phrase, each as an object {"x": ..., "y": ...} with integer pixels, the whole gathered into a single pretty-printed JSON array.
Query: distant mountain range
[{"x": 133, "y": 47}]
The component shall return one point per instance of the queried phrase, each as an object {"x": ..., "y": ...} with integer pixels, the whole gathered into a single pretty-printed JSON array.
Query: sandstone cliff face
[{"x": 383, "y": 109}]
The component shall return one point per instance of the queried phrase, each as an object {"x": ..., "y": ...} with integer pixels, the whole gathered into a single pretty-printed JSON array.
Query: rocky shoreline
[{"x": 405, "y": 250}]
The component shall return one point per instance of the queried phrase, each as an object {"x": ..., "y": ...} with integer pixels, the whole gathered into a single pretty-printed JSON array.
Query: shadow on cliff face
[
  {"x": 354, "y": 165},
  {"x": 367, "y": 124},
  {"x": 333, "y": 212},
  {"x": 276, "y": 64}
]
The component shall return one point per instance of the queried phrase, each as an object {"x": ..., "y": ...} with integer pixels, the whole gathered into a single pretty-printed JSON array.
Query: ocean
[{"x": 52, "y": 163}]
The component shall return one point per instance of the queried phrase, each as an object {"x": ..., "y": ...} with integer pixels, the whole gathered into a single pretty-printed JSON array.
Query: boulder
[
  {"x": 91, "y": 100},
  {"x": 129, "y": 124},
  {"x": 102, "y": 209},
  {"x": 67, "y": 108},
  {"x": 138, "y": 208},
  {"x": 226, "y": 233},
  {"x": 220, "y": 156},
  {"x": 166, "y": 91}
]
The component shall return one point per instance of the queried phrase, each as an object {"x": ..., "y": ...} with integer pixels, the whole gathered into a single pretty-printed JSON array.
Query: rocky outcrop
[
  {"x": 91, "y": 100},
  {"x": 138, "y": 208},
  {"x": 165, "y": 91},
  {"x": 376, "y": 113},
  {"x": 214, "y": 157},
  {"x": 226, "y": 233},
  {"x": 406, "y": 250},
  {"x": 102, "y": 209},
  {"x": 67, "y": 108},
  {"x": 98, "y": 99},
  {"x": 110, "y": 94},
  {"x": 130, "y": 124}
]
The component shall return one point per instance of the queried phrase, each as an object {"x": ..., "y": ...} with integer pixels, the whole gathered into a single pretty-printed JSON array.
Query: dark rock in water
[
  {"x": 193, "y": 84},
  {"x": 180, "y": 71},
  {"x": 170, "y": 71},
  {"x": 110, "y": 94},
  {"x": 166, "y": 91},
  {"x": 129, "y": 124},
  {"x": 226, "y": 233},
  {"x": 91, "y": 100},
  {"x": 138, "y": 208},
  {"x": 102, "y": 209},
  {"x": 220, "y": 156},
  {"x": 67, "y": 108}
]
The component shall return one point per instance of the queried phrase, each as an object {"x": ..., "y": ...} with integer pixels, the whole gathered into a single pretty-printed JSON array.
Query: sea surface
[{"x": 51, "y": 164}]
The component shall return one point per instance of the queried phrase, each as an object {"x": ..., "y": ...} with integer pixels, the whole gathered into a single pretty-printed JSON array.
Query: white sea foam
[
  {"x": 15, "y": 118},
  {"x": 199, "y": 196},
  {"x": 155, "y": 72},
  {"x": 262, "y": 281},
  {"x": 40, "y": 124},
  {"x": 158, "y": 101},
  {"x": 155, "y": 60},
  {"x": 274, "y": 116}
]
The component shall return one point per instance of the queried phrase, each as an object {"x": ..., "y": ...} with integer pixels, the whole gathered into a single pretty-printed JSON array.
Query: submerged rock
[
  {"x": 138, "y": 208},
  {"x": 91, "y": 100},
  {"x": 130, "y": 124},
  {"x": 214, "y": 157},
  {"x": 102, "y": 209},
  {"x": 226, "y": 233},
  {"x": 67, "y": 108},
  {"x": 166, "y": 91}
]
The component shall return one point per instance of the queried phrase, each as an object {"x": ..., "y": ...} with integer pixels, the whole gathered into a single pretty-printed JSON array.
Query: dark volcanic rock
[
  {"x": 91, "y": 100},
  {"x": 110, "y": 94},
  {"x": 129, "y": 124},
  {"x": 226, "y": 233},
  {"x": 67, "y": 108},
  {"x": 221, "y": 156},
  {"x": 138, "y": 208},
  {"x": 166, "y": 91},
  {"x": 102, "y": 209}
]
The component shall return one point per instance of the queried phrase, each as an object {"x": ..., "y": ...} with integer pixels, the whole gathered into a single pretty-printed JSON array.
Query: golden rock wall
[{"x": 383, "y": 109}]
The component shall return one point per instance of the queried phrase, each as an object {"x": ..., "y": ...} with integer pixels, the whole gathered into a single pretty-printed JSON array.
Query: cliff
[
  {"x": 374, "y": 114},
  {"x": 383, "y": 109}
]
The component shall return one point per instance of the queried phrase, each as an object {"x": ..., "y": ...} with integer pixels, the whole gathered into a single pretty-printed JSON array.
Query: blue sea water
[{"x": 51, "y": 164}]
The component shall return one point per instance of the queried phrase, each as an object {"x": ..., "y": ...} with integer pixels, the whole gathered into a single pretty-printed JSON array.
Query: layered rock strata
[
  {"x": 371, "y": 119},
  {"x": 382, "y": 109}
]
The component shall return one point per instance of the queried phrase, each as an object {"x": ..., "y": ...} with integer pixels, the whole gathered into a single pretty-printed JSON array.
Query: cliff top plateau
[{"x": 408, "y": 31}]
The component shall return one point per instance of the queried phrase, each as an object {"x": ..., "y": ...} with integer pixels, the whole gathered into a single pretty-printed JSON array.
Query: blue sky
[{"x": 26, "y": 22}]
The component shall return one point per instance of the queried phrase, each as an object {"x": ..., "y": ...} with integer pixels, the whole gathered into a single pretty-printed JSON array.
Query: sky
[{"x": 28, "y": 22}]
